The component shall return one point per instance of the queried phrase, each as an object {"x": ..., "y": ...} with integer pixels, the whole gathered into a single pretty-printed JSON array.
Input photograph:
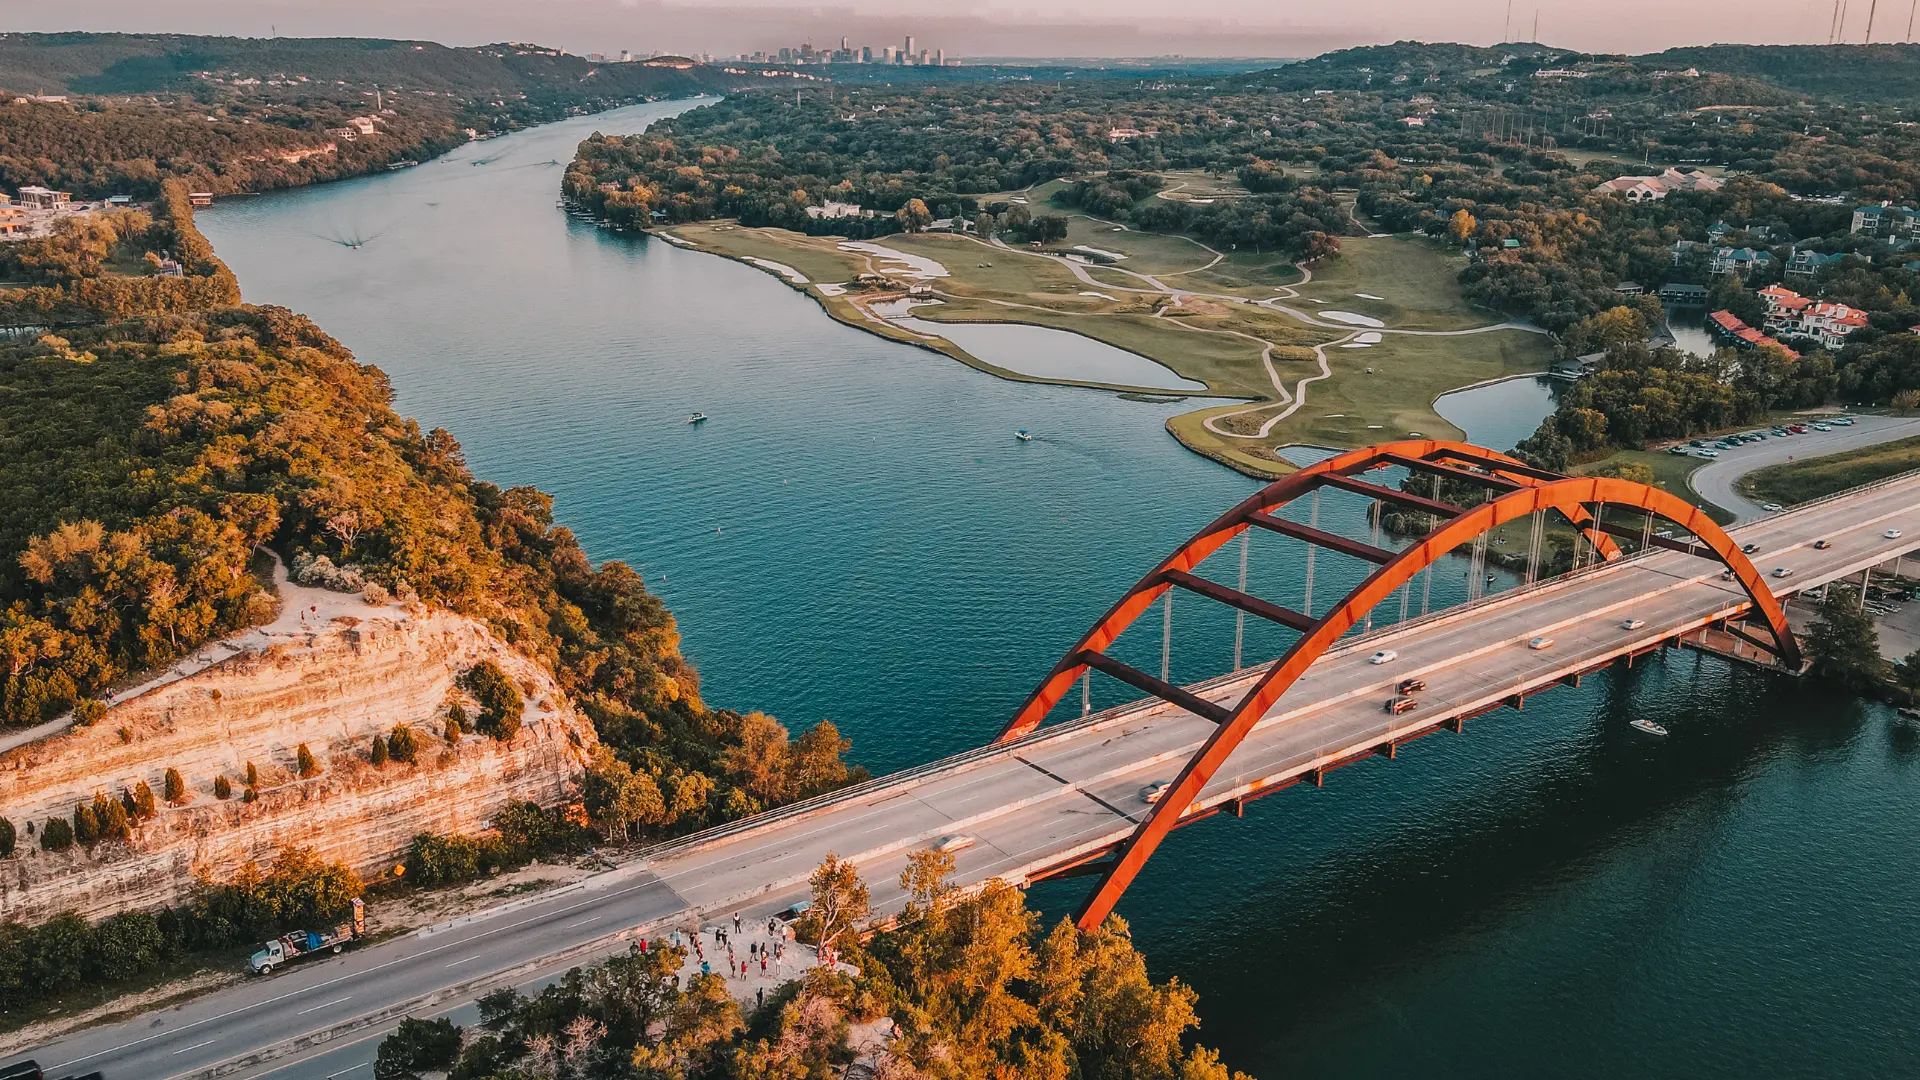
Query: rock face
[{"x": 333, "y": 688}]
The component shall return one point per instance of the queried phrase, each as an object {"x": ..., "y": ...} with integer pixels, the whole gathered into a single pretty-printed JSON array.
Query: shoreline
[{"x": 850, "y": 313}]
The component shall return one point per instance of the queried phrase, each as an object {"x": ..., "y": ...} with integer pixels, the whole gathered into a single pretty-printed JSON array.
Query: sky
[{"x": 1268, "y": 28}]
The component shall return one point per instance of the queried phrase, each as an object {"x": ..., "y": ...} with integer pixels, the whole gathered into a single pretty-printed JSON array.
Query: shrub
[
  {"x": 445, "y": 860},
  {"x": 7, "y": 838},
  {"x": 253, "y": 775},
  {"x": 57, "y": 835},
  {"x": 88, "y": 712},
  {"x": 453, "y": 731},
  {"x": 379, "y": 751},
  {"x": 86, "y": 827},
  {"x": 401, "y": 746},
  {"x": 173, "y": 787},
  {"x": 375, "y": 593},
  {"x": 252, "y": 794},
  {"x": 112, "y": 818},
  {"x": 417, "y": 1046},
  {"x": 140, "y": 805},
  {"x": 500, "y": 702},
  {"x": 222, "y": 788},
  {"x": 309, "y": 768}
]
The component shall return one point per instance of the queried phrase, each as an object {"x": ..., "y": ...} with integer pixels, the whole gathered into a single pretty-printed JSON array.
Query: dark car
[
  {"x": 1412, "y": 686},
  {"x": 22, "y": 1070}
]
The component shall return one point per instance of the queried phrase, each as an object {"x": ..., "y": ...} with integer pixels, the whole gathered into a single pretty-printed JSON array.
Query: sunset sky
[{"x": 996, "y": 27}]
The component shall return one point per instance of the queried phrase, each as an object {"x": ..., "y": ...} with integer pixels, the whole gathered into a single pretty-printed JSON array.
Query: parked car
[
  {"x": 1771, "y": 508},
  {"x": 1709, "y": 453},
  {"x": 1384, "y": 656},
  {"x": 1680, "y": 450},
  {"x": 1823, "y": 427},
  {"x": 1843, "y": 421}
]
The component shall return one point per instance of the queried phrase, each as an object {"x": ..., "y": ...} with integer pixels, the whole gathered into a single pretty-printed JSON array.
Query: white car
[
  {"x": 1891, "y": 534},
  {"x": 1771, "y": 508},
  {"x": 1384, "y": 656},
  {"x": 1782, "y": 571},
  {"x": 1710, "y": 453},
  {"x": 955, "y": 842},
  {"x": 1633, "y": 624},
  {"x": 1843, "y": 421},
  {"x": 1152, "y": 792},
  {"x": 1540, "y": 643}
]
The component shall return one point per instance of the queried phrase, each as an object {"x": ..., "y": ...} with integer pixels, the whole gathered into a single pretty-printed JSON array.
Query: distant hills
[{"x": 109, "y": 64}]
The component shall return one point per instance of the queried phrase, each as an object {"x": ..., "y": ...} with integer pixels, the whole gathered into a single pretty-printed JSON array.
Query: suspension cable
[
  {"x": 1166, "y": 638},
  {"x": 1240, "y": 617},
  {"x": 1313, "y": 521}
]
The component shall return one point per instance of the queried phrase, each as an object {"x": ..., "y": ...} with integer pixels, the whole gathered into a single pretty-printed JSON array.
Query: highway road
[
  {"x": 1715, "y": 481},
  {"x": 1061, "y": 794}
]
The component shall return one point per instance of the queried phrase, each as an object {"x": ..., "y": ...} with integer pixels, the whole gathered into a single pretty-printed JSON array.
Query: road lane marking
[
  {"x": 457, "y": 963},
  {"x": 195, "y": 1046},
  {"x": 583, "y": 922},
  {"x": 323, "y": 1005}
]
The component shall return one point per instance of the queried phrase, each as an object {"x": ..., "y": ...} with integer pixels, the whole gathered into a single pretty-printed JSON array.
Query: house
[
  {"x": 363, "y": 125},
  {"x": 833, "y": 209},
  {"x": 13, "y": 222},
  {"x": 200, "y": 198},
  {"x": 1744, "y": 261},
  {"x": 1887, "y": 219},
  {"x": 1123, "y": 134},
  {"x": 1796, "y": 316},
  {"x": 1648, "y": 188},
  {"x": 1726, "y": 328},
  {"x": 1414, "y": 121},
  {"x": 39, "y": 198},
  {"x": 1806, "y": 264},
  {"x": 1630, "y": 288},
  {"x": 1682, "y": 293}
]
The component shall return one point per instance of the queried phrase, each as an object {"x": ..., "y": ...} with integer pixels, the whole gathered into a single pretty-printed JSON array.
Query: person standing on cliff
[{"x": 736, "y": 922}]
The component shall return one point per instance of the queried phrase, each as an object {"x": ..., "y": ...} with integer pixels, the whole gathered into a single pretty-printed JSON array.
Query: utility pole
[
  {"x": 1506, "y": 32},
  {"x": 1536, "y": 25},
  {"x": 1871, "y": 9},
  {"x": 1911, "y": 8}
]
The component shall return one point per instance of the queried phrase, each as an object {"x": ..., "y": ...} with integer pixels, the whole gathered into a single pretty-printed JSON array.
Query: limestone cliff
[{"x": 330, "y": 680}]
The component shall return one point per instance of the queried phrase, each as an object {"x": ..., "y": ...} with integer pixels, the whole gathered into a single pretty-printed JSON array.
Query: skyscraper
[{"x": 907, "y": 53}]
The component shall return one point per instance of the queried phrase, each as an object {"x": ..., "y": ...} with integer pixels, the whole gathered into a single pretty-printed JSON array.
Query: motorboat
[
  {"x": 697, "y": 418},
  {"x": 1023, "y": 435},
  {"x": 1647, "y": 726}
]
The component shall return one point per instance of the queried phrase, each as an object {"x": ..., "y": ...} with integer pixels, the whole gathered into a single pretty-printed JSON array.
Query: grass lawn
[
  {"x": 1419, "y": 279},
  {"x": 1798, "y": 481},
  {"x": 1354, "y": 408}
]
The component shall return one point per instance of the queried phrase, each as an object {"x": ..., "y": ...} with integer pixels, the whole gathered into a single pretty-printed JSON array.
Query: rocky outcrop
[{"x": 332, "y": 687}]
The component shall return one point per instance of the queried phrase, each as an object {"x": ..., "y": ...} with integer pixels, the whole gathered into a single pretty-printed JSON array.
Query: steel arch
[
  {"x": 1530, "y": 491},
  {"x": 1432, "y": 455}
]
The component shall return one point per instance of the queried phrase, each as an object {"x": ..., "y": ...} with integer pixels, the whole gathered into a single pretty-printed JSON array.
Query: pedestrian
[
  {"x": 736, "y": 922},
  {"x": 753, "y": 948},
  {"x": 743, "y": 969},
  {"x": 643, "y": 946},
  {"x": 763, "y": 965},
  {"x": 633, "y": 949},
  {"x": 760, "y": 997},
  {"x": 706, "y": 968}
]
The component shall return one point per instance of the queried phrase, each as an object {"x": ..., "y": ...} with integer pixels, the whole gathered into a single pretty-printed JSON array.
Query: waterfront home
[
  {"x": 1743, "y": 261},
  {"x": 1796, "y": 316}
]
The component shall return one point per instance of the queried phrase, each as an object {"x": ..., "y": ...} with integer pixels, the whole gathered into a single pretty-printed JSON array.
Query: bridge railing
[{"x": 981, "y": 753}]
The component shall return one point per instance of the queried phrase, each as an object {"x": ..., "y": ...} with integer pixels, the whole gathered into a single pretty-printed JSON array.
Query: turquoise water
[{"x": 856, "y": 535}]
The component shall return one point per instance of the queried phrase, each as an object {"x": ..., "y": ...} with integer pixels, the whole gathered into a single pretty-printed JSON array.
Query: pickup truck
[{"x": 301, "y": 944}]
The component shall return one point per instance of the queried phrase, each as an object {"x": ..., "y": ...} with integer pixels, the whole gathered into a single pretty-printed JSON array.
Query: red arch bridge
[
  {"x": 1068, "y": 797},
  {"x": 1071, "y": 797}
]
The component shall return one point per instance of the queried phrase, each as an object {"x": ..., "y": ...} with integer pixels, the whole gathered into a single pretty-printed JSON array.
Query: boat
[
  {"x": 1909, "y": 714},
  {"x": 1647, "y": 726},
  {"x": 1022, "y": 435},
  {"x": 697, "y": 418}
]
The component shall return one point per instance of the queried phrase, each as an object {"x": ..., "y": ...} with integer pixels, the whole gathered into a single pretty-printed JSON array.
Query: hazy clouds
[{"x": 993, "y": 27}]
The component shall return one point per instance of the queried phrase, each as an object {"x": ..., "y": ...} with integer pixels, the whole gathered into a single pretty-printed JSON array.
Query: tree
[
  {"x": 1316, "y": 245},
  {"x": 759, "y": 759},
  {"x": 140, "y": 803},
  {"x": 616, "y": 798},
  {"x": 401, "y": 746},
  {"x": 1906, "y": 674},
  {"x": 173, "y": 787},
  {"x": 841, "y": 903},
  {"x": 1047, "y": 228},
  {"x": 379, "y": 754},
  {"x": 112, "y": 818},
  {"x": 222, "y": 788},
  {"x": 1843, "y": 642},
  {"x": 914, "y": 216},
  {"x": 500, "y": 702},
  {"x": 1906, "y": 400},
  {"x": 307, "y": 766},
  {"x": 56, "y": 835},
  {"x": 417, "y": 1046},
  {"x": 7, "y": 838},
  {"x": 253, "y": 775},
  {"x": 86, "y": 826},
  {"x": 819, "y": 760},
  {"x": 1461, "y": 226}
]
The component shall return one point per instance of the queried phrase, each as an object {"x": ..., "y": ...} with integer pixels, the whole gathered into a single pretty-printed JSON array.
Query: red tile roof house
[{"x": 1794, "y": 315}]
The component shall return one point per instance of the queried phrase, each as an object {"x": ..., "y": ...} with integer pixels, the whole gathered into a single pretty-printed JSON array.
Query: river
[{"x": 856, "y": 535}]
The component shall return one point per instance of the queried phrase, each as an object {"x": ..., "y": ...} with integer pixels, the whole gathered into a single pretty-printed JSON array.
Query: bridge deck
[{"x": 1067, "y": 794}]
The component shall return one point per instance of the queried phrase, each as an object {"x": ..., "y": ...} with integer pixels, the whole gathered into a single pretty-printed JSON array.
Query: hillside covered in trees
[{"x": 253, "y": 114}]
